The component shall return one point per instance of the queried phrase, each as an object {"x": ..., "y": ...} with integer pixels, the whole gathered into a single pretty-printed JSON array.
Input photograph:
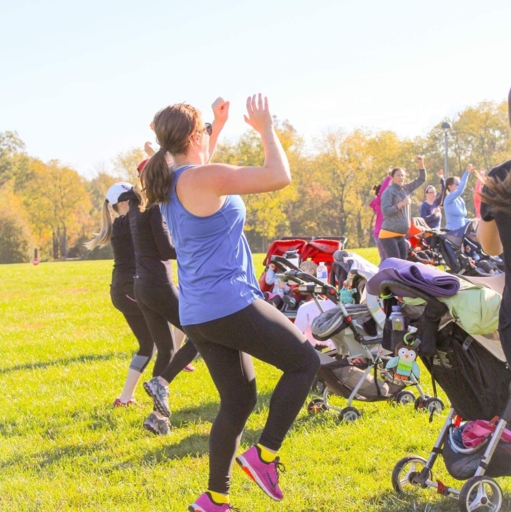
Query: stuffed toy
[{"x": 404, "y": 363}]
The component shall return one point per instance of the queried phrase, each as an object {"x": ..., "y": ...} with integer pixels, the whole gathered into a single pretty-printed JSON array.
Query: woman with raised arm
[
  {"x": 395, "y": 206},
  {"x": 494, "y": 233},
  {"x": 221, "y": 306},
  {"x": 454, "y": 205},
  {"x": 430, "y": 209}
]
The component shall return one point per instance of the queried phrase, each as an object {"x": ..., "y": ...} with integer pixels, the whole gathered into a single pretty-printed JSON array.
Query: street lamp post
[{"x": 446, "y": 126}]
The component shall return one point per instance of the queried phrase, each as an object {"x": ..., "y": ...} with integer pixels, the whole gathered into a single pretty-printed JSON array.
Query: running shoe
[
  {"x": 204, "y": 503},
  {"x": 131, "y": 401},
  {"x": 158, "y": 426},
  {"x": 189, "y": 368},
  {"x": 265, "y": 475},
  {"x": 160, "y": 395}
]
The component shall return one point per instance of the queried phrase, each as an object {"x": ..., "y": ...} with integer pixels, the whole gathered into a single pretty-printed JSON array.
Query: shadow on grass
[
  {"x": 419, "y": 500},
  {"x": 63, "y": 362}
]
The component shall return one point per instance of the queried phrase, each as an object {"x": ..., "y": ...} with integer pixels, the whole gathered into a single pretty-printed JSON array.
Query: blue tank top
[{"x": 214, "y": 262}]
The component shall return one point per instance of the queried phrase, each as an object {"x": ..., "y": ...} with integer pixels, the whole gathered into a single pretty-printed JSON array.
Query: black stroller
[
  {"x": 473, "y": 373},
  {"x": 460, "y": 251}
]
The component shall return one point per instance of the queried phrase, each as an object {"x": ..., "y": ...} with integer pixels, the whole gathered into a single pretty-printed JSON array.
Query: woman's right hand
[
  {"x": 259, "y": 117},
  {"x": 405, "y": 202}
]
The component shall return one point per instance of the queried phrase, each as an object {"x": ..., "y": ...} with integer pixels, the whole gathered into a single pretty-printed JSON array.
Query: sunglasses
[{"x": 208, "y": 128}]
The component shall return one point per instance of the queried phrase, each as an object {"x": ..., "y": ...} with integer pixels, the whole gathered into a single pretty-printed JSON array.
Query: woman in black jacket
[
  {"x": 158, "y": 299},
  {"x": 115, "y": 229}
]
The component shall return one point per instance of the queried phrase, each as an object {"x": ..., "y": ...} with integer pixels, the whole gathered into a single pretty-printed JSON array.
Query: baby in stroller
[{"x": 282, "y": 292}]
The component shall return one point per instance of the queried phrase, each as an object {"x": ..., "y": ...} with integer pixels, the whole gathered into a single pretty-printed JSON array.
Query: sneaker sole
[
  {"x": 194, "y": 508},
  {"x": 249, "y": 471},
  {"x": 151, "y": 429},
  {"x": 159, "y": 406}
]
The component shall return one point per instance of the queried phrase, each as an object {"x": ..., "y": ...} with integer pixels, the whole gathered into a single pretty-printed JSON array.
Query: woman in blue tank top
[{"x": 221, "y": 306}]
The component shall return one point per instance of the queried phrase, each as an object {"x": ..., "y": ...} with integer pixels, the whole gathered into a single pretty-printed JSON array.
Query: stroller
[
  {"x": 355, "y": 370},
  {"x": 460, "y": 251},
  {"x": 474, "y": 375},
  {"x": 294, "y": 251},
  {"x": 419, "y": 247}
]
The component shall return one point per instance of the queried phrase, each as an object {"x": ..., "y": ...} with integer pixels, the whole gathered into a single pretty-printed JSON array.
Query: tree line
[{"x": 50, "y": 206}]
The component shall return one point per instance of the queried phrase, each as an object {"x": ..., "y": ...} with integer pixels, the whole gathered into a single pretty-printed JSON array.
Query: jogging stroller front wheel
[
  {"x": 406, "y": 472},
  {"x": 480, "y": 493}
]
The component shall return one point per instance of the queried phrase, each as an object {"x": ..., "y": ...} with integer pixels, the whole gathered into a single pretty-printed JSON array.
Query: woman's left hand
[{"x": 221, "y": 110}]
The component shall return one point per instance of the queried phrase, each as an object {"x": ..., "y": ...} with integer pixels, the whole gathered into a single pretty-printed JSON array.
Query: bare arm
[
  {"x": 489, "y": 237},
  {"x": 221, "y": 112},
  {"x": 203, "y": 189}
]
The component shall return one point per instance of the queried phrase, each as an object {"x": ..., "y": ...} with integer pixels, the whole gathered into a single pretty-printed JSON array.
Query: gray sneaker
[
  {"x": 160, "y": 395},
  {"x": 158, "y": 426}
]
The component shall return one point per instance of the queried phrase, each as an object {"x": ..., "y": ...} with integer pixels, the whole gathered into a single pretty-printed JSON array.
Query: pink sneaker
[
  {"x": 266, "y": 476},
  {"x": 204, "y": 503},
  {"x": 131, "y": 401},
  {"x": 189, "y": 368}
]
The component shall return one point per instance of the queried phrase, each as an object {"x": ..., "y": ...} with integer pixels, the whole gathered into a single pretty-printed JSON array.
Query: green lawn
[{"x": 64, "y": 354}]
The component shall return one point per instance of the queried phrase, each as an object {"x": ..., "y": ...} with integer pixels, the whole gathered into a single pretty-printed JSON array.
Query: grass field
[{"x": 64, "y": 354}]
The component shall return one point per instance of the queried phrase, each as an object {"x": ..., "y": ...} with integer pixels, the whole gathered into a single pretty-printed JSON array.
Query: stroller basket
[
  {"x": 341, "y": 378},
  {"x": 463, "y": 466}
]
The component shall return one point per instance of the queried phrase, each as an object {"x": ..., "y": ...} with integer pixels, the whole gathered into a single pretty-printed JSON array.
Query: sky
[{"x": 81, "y": 81}]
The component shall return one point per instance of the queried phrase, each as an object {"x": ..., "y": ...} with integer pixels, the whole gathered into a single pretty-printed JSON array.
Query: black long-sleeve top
[
  {"x": 151, "y": 241},
  {"x": 124, "y": 253}
]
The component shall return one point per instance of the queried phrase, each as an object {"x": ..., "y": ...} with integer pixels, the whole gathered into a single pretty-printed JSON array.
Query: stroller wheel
[
  {"x": 433, "y": 405},
  {"x": 480, "y": 493},
  {"x": 404, "y": 398},
  {"x": 316, "y": 406},
  {"x": 350, "y": 414},
  {"x": 406, "y": 470}
]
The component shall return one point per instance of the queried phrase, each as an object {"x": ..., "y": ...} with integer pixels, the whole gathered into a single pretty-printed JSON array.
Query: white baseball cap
[{"x": 116, "y": 190}]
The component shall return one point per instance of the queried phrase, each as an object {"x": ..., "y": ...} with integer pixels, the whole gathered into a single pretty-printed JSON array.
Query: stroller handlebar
[{"x": 283, "y": 263}]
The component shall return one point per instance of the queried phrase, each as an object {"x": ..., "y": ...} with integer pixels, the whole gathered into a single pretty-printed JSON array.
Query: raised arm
[
  {"x": 461, "y": 187},
  {"x": 417, "y": 182},
  {"x": 274, "y": 174},
  {"x": 221, "y": 113},
  {"x": 438, "y": 198}
]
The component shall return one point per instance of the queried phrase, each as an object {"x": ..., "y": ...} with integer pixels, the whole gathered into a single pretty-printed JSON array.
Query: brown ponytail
[
  {"x": 174, "y": 127},
  {"x": 156, "y": 181}
]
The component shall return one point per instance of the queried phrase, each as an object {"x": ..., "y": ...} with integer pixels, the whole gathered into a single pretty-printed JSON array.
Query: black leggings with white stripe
[{"x": 123, "y": 298}]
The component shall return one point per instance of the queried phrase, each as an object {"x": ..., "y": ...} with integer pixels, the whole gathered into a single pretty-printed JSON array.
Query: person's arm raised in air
[
  {"x": 221, "y": 114},
  {"x": 202, "y": 190},
  {"x": 438, "y": 198},
  {"x": 417, "y": 182},
  {"x": 451, "y": 196}
]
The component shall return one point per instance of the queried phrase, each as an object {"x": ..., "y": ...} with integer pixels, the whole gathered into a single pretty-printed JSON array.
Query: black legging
[
  {"x": 123, "y": 298},
  {"x": 225, "y": 344},
  {"x": 160, "y": 306},
  {"x": 395, "y": 247}
]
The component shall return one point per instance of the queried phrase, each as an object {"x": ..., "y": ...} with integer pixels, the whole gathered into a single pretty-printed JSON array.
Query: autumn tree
[
  {"x": 58, "y": 201},
  {"x": 125, "y": 164},
  {"x": 13, "y": 159}
]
